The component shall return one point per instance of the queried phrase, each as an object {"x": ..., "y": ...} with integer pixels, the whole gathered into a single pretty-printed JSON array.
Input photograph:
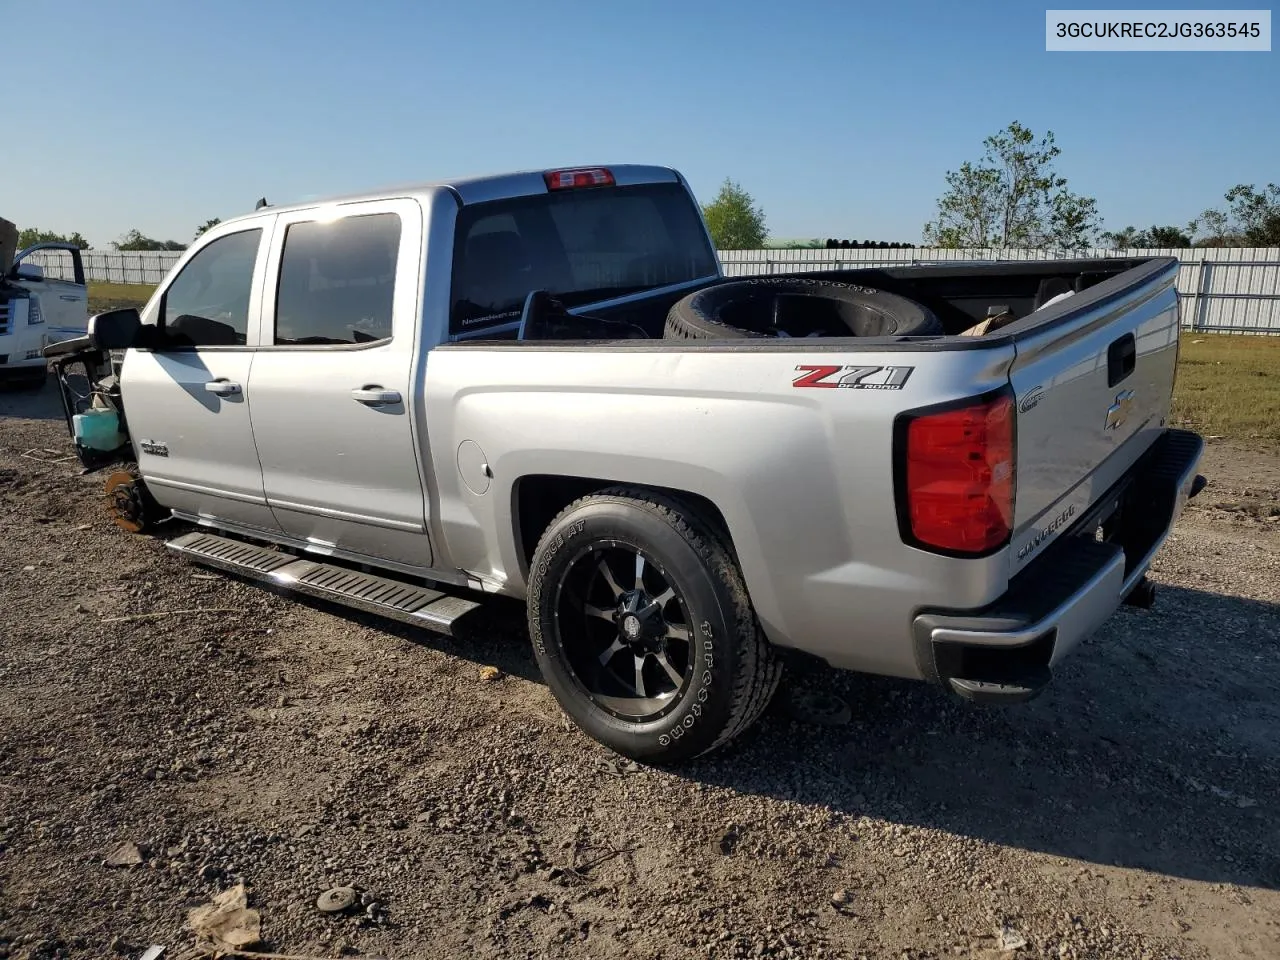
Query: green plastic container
[{"x": 98, "y": 428}]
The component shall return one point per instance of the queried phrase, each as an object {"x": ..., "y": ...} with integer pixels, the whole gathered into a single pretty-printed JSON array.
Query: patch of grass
[
  {"x": 1229, "y": 386},
  {"x": 112, "y": 296}
]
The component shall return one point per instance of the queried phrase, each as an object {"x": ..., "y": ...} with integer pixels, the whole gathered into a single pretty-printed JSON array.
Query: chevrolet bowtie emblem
[{"x": 1118, "y": 412}]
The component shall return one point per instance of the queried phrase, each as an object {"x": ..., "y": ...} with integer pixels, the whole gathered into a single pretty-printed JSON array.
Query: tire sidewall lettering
[
  {"x": 694, "y": 707},
  {"x": 553, "y": 547}
]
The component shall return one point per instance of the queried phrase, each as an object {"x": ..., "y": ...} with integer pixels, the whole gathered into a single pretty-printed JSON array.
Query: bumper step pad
[{"x": 396, "y": 599}]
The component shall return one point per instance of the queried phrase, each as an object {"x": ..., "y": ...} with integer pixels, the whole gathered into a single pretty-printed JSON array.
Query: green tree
[
  {"x": 32, "y": 236},
  {"x": 1252, "y": 218},
  {"x": 1073, "y": 221},
  {"x": 207, "y": 225},
  {"x": 1217, "y": 229},
  {"x": 1121, "y": 239},
  {"x": 733, "y": 219},
  {"x": 1012, "y": 197},
  {"x": 1167, "y": 236},
  {"x": 1256, "y": 214},
  {"x": 136, "y": 240}
]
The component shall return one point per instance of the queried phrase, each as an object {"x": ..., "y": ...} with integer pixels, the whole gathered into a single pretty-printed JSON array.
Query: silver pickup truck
[{"x": 540, "y": 385}]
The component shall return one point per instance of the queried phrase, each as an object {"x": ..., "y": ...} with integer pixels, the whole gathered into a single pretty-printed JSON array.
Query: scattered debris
[
  {"x": 336, "y": 900},
  {"x": 579, "y": 870},
  {"x": 1010, "y": 939},
  {"x": 1191, "y": 783},
  {"x": 227, "y": 920},
  {"x": 489, "y": 674},
  {"x": 615, "y": 769},
  {"x": 815, "y": 706},
  {"x": 1239, "y": 800},
  {"x": 256, "y": 955},
  {"x": 169, "y": 613},
  {"x": 125, "y": 855},
  {"x": 55, "y": 458}
]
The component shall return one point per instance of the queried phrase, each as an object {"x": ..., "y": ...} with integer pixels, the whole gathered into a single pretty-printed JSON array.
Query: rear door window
[
  {"x": 580, "y": 245},
  {"x": 337, "y": 280}
]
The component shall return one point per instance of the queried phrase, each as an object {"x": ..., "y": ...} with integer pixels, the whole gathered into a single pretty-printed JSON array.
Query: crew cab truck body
[
  {"x": 36, "y": 310},
  {"x": 360, "y": 399}
]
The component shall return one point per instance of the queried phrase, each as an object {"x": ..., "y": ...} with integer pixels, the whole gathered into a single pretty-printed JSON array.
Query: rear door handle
[
  {"x": 223, "y": 388},
  {"x": 375, "y": 396}
]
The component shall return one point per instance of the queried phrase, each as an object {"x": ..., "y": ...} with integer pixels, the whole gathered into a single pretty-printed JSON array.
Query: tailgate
[{"x": 1093, "y": 384}]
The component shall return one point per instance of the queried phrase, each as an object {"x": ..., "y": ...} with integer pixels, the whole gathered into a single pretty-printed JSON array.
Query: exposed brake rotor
[{"x": 124, "y": 500}]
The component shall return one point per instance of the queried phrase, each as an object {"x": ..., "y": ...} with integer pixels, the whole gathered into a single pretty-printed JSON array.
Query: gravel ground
[{"x": 1131, "y": 811}]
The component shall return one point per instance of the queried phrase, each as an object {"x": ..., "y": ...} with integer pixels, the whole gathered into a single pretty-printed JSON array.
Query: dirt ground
[{"x": 1132, "y": 811}]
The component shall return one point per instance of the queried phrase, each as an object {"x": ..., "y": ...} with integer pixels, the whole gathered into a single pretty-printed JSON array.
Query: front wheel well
[{"x": 539, "y": 498}]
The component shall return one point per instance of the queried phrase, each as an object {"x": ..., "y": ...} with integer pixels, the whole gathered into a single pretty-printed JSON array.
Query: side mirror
[
  {"x": 115, "y": 329},
  {"x": 28, "y": 271}
]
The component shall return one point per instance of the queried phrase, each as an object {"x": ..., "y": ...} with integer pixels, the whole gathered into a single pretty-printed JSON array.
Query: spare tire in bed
[{"x": 795, "y": 307}]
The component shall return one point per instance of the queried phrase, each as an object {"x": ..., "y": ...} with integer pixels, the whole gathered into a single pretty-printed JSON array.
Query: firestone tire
[
  {"x": 643, "y": 630},
  {"x": 746, "y": 308}
]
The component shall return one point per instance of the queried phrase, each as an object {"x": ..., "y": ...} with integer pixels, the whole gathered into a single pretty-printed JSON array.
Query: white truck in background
[{"x": 36, "y": 310}]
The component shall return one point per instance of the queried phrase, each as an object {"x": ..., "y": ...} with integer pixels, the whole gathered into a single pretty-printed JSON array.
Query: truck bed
[{"x": 960, "y": 294}]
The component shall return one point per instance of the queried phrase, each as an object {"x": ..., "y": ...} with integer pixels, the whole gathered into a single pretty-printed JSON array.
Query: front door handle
[
  {"x": 375, "y": 396},
  {"x": 223, "y": 388}
]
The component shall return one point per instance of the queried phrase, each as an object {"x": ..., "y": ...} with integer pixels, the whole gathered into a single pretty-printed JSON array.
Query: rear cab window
[{"x": 582, "y": 246}]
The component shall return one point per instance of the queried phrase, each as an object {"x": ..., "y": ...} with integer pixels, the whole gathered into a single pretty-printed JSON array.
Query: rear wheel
[{"x": 642, "y": 627}]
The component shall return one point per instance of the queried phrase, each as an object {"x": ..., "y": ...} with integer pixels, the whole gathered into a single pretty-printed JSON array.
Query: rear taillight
[
  {"x": 582, "y": 177},
  {"x": 956, "y": 476}
]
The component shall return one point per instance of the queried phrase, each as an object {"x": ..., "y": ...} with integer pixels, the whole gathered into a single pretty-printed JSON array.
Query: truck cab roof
[{"x": 481, "y": 189}]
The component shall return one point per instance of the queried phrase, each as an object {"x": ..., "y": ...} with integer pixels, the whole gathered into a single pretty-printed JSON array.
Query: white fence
[
  {"x": 1226, "y": 290},
  {"x": 1232, "y": 290},
  {"x": 110, "y": 266}
]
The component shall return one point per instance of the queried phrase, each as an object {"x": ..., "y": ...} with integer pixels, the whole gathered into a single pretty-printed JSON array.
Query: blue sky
[{"x": 841, "y": 119}]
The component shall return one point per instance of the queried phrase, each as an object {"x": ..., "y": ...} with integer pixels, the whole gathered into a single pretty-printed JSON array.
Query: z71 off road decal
[{"x": 852, "y": 378}]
